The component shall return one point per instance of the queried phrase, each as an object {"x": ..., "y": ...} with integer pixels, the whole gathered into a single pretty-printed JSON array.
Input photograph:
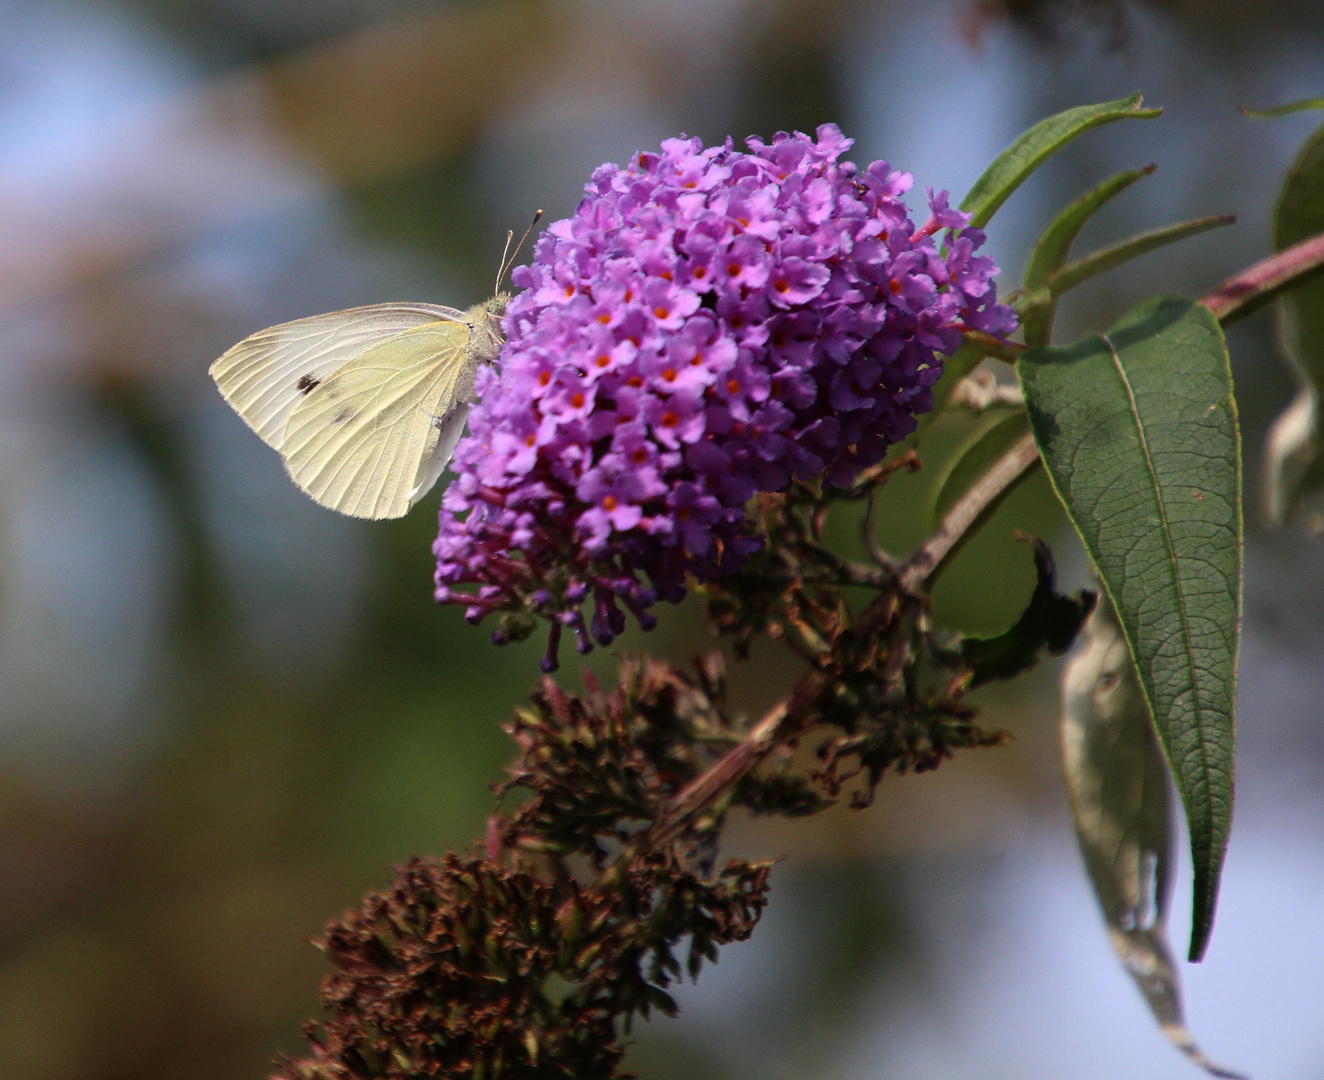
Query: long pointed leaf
[
  {"x": 1117, "y": 783},
  {"x": 1283, "y": 110},
  {"x": 1138, "y": 429},
  {"x": 1050, "y": 250},
  {"x": 1114, "y": 255},
  {"x": 1046, "y": 138}
]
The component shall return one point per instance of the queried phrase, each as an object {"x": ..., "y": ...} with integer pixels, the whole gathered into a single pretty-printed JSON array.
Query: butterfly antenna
[
  {"x": 501, "y": 270},
  {"x": 507, "y": 264}
]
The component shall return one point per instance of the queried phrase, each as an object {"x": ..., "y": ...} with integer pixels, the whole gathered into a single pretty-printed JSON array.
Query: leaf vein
[{"x": 1177, "y": 575}]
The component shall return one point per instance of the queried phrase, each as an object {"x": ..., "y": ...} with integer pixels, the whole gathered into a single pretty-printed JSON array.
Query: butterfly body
[{"x": 365, "y": 406}]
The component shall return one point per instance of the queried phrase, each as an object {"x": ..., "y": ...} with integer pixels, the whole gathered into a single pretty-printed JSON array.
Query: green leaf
[
  {"x": 1050, "y": 621},
  {"x": 1050, "y": 250},
  {"x": 1116, "y": 781},
  {"x": 1138, "y": 429},
  {"x": 1293, "y": 446},
  {"x": 972, "y": 459},
  {"x": 1046, "y": 138},
  {"x": 1283, "y": 110},
  {"x": 1114, "y": 255}
]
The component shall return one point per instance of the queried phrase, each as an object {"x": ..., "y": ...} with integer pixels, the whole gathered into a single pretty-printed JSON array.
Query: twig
[
  {"x": 790, "y": 716},
  {"x": 869, "y": 529},
  {"x": 968, "y": 509},
  {"x": 782, "y": 721}
]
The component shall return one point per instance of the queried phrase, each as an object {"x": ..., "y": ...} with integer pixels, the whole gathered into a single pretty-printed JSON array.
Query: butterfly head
[{"x": 485, "y": 321}]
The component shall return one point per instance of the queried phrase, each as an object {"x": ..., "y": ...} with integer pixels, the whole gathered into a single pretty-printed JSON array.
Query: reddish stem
[{"x": 1254, "y": 287}]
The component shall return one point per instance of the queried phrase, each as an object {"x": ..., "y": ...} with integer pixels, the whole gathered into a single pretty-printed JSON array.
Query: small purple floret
[{"x": 708, "y": 325}]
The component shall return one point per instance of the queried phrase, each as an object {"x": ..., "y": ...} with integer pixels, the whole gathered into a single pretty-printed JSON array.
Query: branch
[
  {"x": 972, "y": 506},
  {"x": 784, "y": 720},
  {"x": 1248, "y": 291},
  {"x": 791, "y": 716}
]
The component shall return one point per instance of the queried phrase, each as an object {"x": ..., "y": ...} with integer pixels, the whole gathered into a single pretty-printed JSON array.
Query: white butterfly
[{"x": 366, "y": 405}]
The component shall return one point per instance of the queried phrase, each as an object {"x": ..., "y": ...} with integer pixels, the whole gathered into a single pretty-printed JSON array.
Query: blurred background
[{"x": 224, "y": 712}]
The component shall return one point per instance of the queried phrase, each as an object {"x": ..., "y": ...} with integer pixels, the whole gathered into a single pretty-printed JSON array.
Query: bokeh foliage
[{"x": 163, "y": 933}]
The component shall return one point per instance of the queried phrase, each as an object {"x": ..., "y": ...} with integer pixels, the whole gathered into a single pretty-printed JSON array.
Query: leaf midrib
[{"x": 1165, "y": 528}]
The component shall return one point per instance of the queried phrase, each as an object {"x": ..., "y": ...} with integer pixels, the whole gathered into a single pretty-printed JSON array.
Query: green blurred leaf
[
  {"x": 1292, "y": 450},
  {"x": 955, "y": 368},
  {"x": 1117, "y": 784},
  {"x": 972, "y": 459},
  {"x": 1114, "y": 255},
  {"x": 1046, "y": 138},
  {"x": 1050, "y": 250},
  {"x": 1283, "y": 110},
  {"x": 1050, "y": 621},
  {"x": 1138, "y": 429}
]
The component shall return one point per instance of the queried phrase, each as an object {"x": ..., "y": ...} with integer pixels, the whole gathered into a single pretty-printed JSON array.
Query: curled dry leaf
[{"x": 1117, "y": 782}]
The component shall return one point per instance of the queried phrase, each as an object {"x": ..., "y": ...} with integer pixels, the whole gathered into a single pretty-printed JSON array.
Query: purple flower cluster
[{"x": 708, "y": 325}]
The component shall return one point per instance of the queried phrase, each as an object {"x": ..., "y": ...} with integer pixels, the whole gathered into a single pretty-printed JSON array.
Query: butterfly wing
[
  {"x": 450, "y": 426},
  {"x": 371, "y": 438},
  {"x": 268, "y": 374}
]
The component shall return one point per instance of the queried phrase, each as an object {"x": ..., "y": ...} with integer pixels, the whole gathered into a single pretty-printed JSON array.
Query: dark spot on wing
[
  {"x": 342, "y": 416},
  {"x": 307, "y": 384}
]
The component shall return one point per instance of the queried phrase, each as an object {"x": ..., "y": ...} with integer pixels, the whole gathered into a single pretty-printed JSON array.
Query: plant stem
[
  {"x": 969, "y": 508},
  {"x": 791, "y": 716},
  {"x": 1255, "y": 286}
]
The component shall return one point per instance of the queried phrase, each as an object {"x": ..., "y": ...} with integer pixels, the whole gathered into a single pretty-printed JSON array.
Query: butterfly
[{"x": 365, "y": 406}]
